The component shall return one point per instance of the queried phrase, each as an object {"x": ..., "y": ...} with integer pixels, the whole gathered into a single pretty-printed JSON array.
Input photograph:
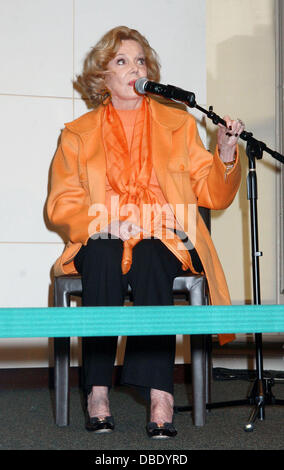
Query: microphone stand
[{"x": 261, "y": 393}]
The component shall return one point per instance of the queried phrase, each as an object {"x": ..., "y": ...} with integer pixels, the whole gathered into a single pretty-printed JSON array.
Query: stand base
[{"x": 260, "y": 396}]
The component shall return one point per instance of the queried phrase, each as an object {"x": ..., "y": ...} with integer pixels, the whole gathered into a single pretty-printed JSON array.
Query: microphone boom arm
[{"x": 256, "y": 147}]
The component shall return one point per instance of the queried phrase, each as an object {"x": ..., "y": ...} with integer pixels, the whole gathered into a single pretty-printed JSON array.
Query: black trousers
[{"x": 149, "y": 360}]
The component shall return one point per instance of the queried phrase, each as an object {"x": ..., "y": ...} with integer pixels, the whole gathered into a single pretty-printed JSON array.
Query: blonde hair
[{"x": 92, "y": 81}]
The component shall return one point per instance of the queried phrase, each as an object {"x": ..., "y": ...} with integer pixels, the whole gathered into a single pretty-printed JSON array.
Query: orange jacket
[{"x": 186, "y": 172}]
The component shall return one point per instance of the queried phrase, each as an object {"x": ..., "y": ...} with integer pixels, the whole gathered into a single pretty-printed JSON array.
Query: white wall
[
  {"x": 241, "y": 82},
  {"x": 43, "y": 43}
]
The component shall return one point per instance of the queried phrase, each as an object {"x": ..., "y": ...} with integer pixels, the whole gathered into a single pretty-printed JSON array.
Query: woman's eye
[
  {"x": 120, "y": 61},
  {"x": 141, "y": 61}
]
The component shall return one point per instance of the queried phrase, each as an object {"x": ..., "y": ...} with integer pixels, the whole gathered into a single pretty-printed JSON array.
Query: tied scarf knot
[{"x": 133, "y": 191}]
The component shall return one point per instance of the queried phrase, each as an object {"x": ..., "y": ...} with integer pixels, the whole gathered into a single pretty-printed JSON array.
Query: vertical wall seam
[
  {"x": 279, "y": 131},
  {"x": 73, "y": 56}
]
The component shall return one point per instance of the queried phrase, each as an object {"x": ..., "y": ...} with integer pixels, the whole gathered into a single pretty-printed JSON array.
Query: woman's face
[{"x": 124, "y": 69}]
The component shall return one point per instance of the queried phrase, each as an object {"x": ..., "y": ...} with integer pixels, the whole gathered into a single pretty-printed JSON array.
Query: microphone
[{"x": 143, "y": 86}]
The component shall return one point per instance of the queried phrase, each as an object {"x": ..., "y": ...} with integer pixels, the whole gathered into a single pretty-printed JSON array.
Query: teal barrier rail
[{"x": 128, "y": 320}]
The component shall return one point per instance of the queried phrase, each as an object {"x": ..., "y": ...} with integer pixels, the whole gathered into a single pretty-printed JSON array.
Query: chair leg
[
  {"x": 208, "y": 367},
  {"x": 198, "y": 379},
  {"x": 61, "y": 380}
]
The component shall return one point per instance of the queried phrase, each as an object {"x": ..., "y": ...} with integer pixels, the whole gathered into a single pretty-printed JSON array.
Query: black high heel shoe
[
  {"x": 99, "y": 425},
  {"x": 161, "y": 431}
]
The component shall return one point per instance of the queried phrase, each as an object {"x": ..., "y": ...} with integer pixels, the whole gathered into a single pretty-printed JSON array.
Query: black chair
[{"x": 193, "y": 288}]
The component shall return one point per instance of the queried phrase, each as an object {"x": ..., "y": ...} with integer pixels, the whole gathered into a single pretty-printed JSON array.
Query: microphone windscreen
[{"x": 139, "y": 85}]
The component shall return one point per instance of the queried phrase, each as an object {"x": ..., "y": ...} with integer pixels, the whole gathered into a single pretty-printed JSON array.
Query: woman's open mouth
[{"x": 132, "y": 83}]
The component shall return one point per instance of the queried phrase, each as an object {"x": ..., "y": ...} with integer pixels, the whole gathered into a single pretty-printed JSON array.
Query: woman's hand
[
  {"x": 228, "y": 138},
  {"x": 123, "y": 230},
  {"x": 128, "y": 230}
]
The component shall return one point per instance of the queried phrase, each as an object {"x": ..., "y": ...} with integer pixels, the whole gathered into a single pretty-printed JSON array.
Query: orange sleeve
[
  {"x": 68, "y": 202},
  {"x": 214, "y": 187}
]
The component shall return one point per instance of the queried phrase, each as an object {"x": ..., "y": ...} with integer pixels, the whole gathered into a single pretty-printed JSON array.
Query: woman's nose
[{"x": 134, "y": 68}]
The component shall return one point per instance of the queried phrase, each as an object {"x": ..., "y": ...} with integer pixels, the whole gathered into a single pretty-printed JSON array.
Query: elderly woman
[{"x": 126, "y": 181}]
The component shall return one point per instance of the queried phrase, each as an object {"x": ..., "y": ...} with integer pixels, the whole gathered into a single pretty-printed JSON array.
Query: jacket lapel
[
  {"x": 161, "y": 151},
  {"x": 96, "y": 167},
  {"x": 165, "y": 120},
  {"x": 92, "y": 157}
]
